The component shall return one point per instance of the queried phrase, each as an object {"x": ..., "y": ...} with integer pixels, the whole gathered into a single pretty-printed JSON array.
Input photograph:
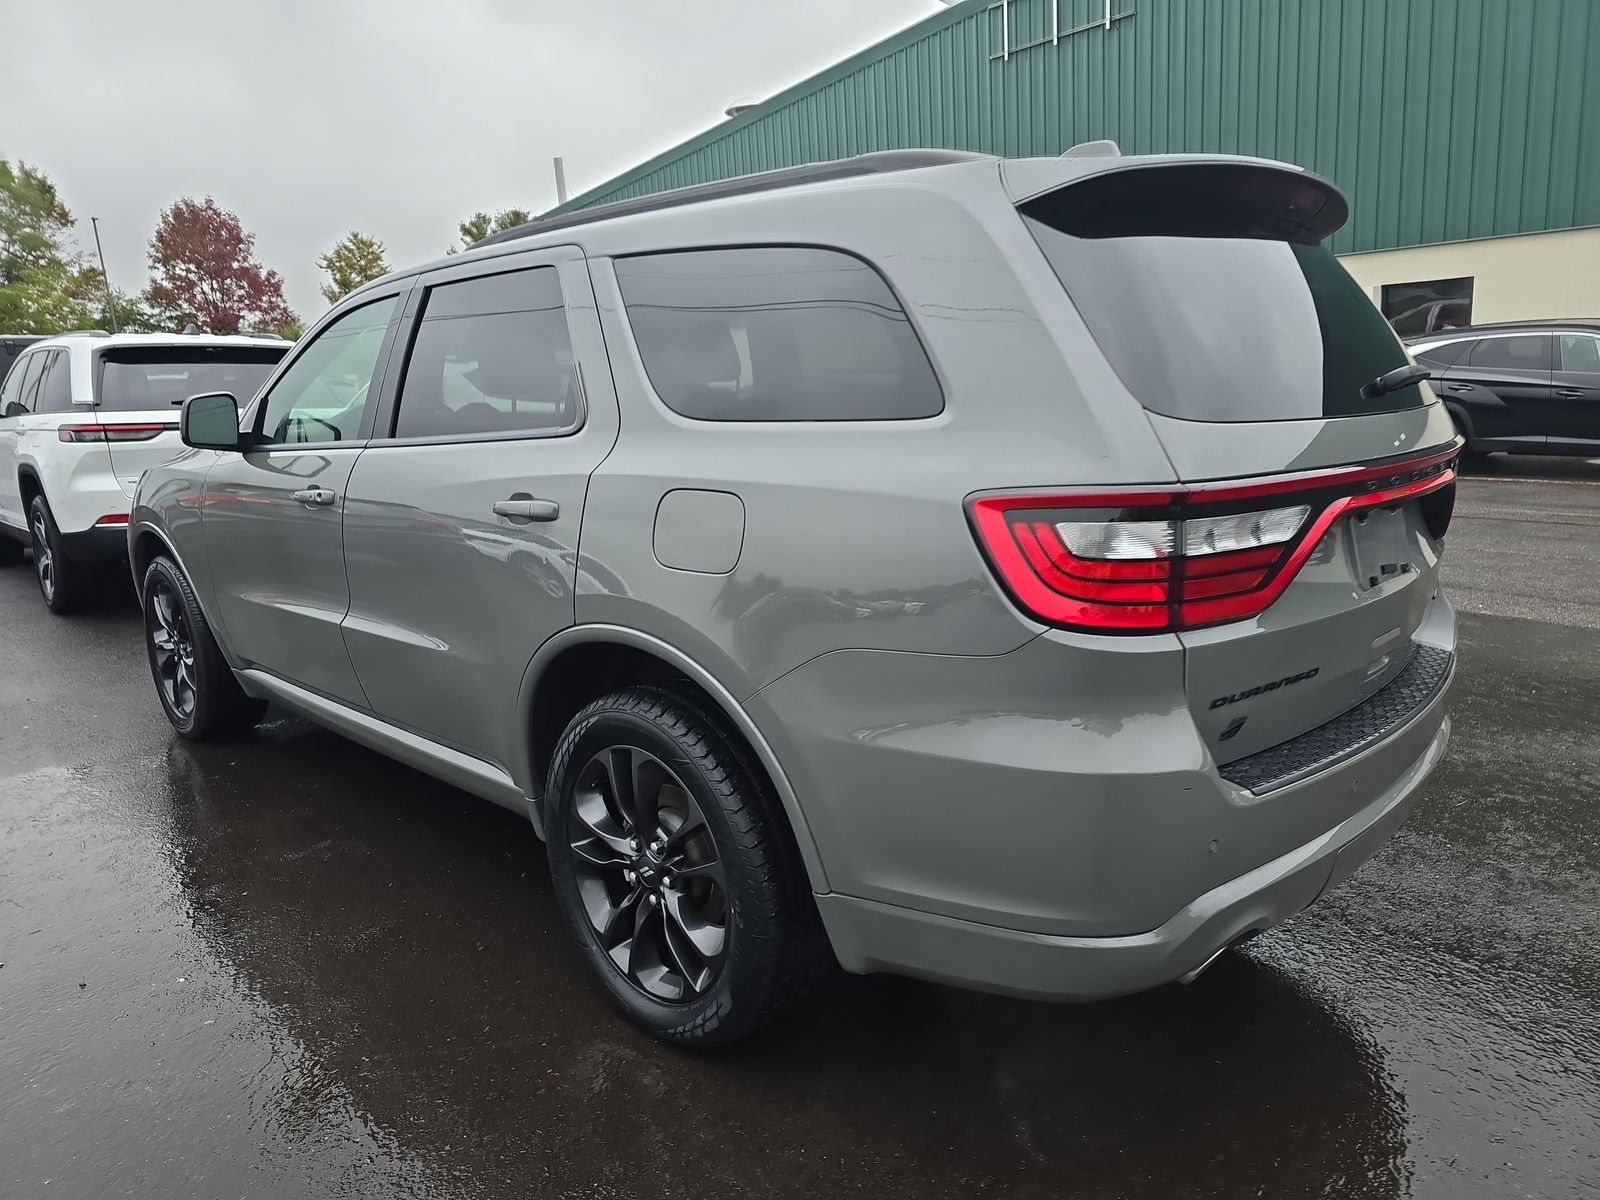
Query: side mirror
[{"x": 210, "y": 422}]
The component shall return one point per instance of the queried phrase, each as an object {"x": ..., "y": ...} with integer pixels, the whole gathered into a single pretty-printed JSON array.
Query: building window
[{"x": 1428, "y": 306}]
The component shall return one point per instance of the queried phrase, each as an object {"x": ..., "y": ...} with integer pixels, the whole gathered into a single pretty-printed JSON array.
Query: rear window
[
  {"x": 1211, "y": 293},
  {"x": 132, "y": 378},
  {"x": 775, "y": 333}
]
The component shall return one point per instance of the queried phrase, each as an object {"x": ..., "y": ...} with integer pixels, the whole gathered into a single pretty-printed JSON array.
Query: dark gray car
[{"x": 926, "y": 562}]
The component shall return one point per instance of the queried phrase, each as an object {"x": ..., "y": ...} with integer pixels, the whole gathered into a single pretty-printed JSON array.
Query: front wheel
[
  {"x": 673, "y": 873},
  {"x": 197, "y": 689}
]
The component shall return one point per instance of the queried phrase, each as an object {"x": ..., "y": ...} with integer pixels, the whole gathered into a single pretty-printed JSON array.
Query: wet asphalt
[{"x": 286, "y": 967}]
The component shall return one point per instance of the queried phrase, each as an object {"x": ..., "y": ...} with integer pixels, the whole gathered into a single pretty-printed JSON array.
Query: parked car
[
  {"x": 1530, "y": 388},
  {"x": 11, "y": 347},
  {"x": 81, "y": 418},
  {"x": 926, "y": 561}
]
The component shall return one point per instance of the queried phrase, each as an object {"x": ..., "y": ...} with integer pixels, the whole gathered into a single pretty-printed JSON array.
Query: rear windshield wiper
[{"x": 1393, "y": 381}]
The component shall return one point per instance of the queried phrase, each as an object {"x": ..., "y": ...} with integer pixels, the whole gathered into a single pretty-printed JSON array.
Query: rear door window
[
  {"x": 156, "y": 378},
  {"x": 11, "y": 391},
  {"x": 1528, "y": 352},
  {"x": 1580, "y": 352},
  {"x": 491, "y": 356},
  {"x": 775, "y": 333},
  {"x": 1209, "y": 290}
]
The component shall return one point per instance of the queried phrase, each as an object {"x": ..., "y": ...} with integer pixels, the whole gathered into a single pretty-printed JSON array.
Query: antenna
[{"x": 111, "y": 303}]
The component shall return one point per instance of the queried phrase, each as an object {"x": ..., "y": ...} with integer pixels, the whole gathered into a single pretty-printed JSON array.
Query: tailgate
[{"x": 1298, "y": 558}]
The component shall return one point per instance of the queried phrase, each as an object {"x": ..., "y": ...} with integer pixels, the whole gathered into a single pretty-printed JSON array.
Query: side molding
[
  {"x": 457, "y": 769},
  {"x": 575, "y": 635}
]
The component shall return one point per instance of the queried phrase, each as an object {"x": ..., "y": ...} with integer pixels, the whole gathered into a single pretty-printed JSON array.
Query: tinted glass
[
  {"x": 1580, "y": 352},
  {"x": 30, "y": 370},
  {"x": 491, "y": 355},
  {"x": 55, "y": 393},
  {"x": 1230, "y": 328},
  {"x": 1442, "y": 356},
  {"x": 161, "y": 377},
  {"x": 324, "y": 393},
  {"x": 11, "y": 392},
  {"x": 775, "y": 334},
  {"x": 1530, "y": 352}
]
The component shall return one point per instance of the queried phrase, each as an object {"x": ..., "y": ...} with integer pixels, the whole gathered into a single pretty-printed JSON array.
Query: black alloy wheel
[
  {"x": 172, "y": 649},
  {"x": 648, "y": 874}
]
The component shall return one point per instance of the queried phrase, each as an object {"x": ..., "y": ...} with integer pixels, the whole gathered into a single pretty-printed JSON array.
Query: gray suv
[{"x": 1022, "y": 574}]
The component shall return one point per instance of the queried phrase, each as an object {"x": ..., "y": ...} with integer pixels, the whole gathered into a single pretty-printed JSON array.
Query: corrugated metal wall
[{"x": 1441, "y": 119}]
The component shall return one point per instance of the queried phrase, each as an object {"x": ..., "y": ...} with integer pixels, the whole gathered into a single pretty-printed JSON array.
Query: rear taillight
[
  {"x": 133, "y": 432},
  {"x": 1181, "y": 558}
]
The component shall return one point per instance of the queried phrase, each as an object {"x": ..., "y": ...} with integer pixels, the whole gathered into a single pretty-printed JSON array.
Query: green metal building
[{"x": 1466, "y": 133}]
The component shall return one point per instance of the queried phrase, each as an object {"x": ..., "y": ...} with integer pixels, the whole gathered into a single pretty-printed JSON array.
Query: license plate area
[{"x": 1382, "y": 546}]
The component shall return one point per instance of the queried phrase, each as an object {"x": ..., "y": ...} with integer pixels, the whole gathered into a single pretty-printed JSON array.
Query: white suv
[{"x": 82, "y": 416}]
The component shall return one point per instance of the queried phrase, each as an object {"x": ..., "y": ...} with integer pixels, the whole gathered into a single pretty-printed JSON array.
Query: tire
[
  {"x": 182, "y": 649},
  {"x": 726, "y": 863},
  {"x": 1467, "y": 452},
  {"x": 64, "y": 584}
]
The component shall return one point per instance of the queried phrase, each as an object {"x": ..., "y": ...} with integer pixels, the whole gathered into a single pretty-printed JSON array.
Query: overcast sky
[{"x": 310, "y": 118}]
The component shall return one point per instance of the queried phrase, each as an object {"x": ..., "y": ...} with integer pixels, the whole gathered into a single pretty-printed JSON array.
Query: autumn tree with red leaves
[{"x": 203, "y": 264}]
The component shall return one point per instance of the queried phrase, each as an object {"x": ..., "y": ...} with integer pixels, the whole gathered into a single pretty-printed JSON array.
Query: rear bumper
[
  {"x": 102, "y": 544},
  {"x": 869, "y": 936}
]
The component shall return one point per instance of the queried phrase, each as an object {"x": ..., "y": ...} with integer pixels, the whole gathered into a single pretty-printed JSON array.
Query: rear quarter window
[{"x": 775, "y": 333}]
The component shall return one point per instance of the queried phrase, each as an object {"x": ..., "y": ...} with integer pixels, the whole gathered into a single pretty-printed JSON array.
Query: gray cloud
[{"x": 313, "y": 117}]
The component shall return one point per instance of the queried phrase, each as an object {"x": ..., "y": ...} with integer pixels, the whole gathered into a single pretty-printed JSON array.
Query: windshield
[
  {"x": 157, "y": 377},
  {"x": 1220, "y": 320}
]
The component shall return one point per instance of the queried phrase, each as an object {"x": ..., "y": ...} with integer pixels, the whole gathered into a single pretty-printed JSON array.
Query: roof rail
[
  {"x": 83, "y": 333},
  {"x": 882, "y": 162}
]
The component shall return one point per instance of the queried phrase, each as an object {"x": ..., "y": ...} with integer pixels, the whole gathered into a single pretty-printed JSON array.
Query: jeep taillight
[
  {"x": 141, "y": 431},
  {"x": 1183, "y": 557}
]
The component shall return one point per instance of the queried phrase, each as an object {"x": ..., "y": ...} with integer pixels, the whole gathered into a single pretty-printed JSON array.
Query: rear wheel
[
  {"x": 62, "y": 582},
  {"x": 673, "y": 873},
  {"x": 201, "y": 697}
]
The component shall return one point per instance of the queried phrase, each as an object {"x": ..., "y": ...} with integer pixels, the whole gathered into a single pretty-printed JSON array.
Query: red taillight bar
[
  {"x": 1180, "y": 592},
  {"x": 139, "y": 431},
  {"x": 113, "y": 521}
]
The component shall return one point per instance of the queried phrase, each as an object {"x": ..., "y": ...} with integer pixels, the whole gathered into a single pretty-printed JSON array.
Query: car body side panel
[{"x": 855, "y": 532}]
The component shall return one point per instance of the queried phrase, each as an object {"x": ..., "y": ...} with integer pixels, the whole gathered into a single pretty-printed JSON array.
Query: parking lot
[{"x": 287, "y": 966}]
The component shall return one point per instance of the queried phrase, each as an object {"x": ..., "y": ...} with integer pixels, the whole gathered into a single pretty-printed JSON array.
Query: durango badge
[{"x": 1224, "y": 701}]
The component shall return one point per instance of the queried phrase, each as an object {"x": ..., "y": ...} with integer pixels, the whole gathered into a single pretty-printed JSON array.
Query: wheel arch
[
  {"x": 1463, "y": 420},
  {"x": 585, "y": 661},
  {"x": 29, "y": 484}
]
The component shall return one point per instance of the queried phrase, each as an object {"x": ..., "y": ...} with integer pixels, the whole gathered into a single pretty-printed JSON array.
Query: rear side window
[
  {"x": 1442, "y": 356},
  {"x": 775, "y": 333},
  {"x": 1580, "y": 352},
  {"x": 1530, "y": 352},
  {"x": 135, "y": 378},
  {"x": 491, "y": 356},
  {"x": 55, "y": 393},
  {"x": 1209, "y": 290}
]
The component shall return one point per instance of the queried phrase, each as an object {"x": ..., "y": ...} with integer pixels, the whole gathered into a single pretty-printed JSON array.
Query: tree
[
  {"x": 356, "y": 260},
  {"x": 44, "y": 286},
  {"x": 481, "y": 225},
  {"x": 204, "y": 263}
]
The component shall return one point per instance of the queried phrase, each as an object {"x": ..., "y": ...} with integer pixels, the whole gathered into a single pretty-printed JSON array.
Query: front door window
[{"x": 323, "y": 395}]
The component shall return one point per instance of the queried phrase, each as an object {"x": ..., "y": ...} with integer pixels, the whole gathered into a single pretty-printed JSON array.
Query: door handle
[
  {"x": 314, "y": 497},
  {"x": 523, "y": 507},
  {"x": 1570, "y": 393},
  {"x": 1459, "y": 387}
]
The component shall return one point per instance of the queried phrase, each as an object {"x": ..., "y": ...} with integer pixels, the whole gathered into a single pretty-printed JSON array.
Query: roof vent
[{"x": 1104, "y": 148}]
